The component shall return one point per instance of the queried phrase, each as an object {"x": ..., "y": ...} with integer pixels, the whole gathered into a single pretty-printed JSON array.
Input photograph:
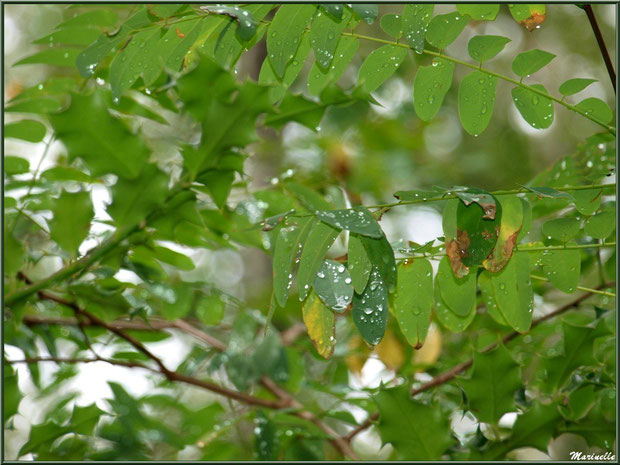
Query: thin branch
[
  {"x": 455, "y": 370},
  {"x": 601, "y": 43},
  {"x": 581, "y": 288}
]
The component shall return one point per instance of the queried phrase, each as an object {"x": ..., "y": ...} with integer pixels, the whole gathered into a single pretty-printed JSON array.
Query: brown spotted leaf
[
  {"x": 512, "y": 220},
  {"x": 479, "y": 196},
  {"x": 529, "y": 15}
]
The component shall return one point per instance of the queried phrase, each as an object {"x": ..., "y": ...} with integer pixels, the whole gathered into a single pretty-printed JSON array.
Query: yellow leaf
[
  {"x": 319, "y": 321},
  {"x": 430, "y": 351},
  {"x": 358, "y": 354},
  {"x": 390, "y": 351}
]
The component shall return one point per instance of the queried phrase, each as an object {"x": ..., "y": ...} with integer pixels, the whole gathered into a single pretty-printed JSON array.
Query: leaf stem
[
  {"x": 574, "y": 108},
  {"x": 581, "y": 288}
]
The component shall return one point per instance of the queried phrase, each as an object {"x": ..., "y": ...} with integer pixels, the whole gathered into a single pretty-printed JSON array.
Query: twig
[{"x": 601, "y": 43}]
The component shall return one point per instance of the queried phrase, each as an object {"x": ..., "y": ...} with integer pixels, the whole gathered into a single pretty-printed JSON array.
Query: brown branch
[
  {"x": 601, "y": 43},
  {"x": 455, "y": 370},
  {"x": 83, "y": 360}
]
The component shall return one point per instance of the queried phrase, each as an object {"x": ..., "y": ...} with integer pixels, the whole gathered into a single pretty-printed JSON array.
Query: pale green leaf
[
  {"x": 458, "y": 294},
  {"x": 601, "y": 225},
  {"x": 562, "y": 268},
  {"x": 325, "y": 33},
  {"x": 413, "y": 300},
  {"x": 28, "y": 130},
  {"x": 476, "y": 101},
  {"x": 318, "y": 79},
  {"x": 444, "y": 29},
  {"x": 415, "y": 20},
  {"x": 319, "y": 240},
  {"x": 575, "y": 85},
  {"x": 534, "y": 108},
  {"x": 483, "y": 48},
  {"x": 513, "y": 292},
  {"x": 378, "y": 66},
  {"x": 596, "y": 108},
  {"x": 73, "y": 213},
  {"x": 479, "y": 11},
  {"x": 430, "y": 87},
  {"x": 359, "y": 263},
  {"x": 527, "y": 63}
]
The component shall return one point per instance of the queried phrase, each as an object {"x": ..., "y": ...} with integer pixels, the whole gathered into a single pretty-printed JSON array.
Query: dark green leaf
[
  {"x": 334, "y": 9},
  {"x": 587, "y": 201},
  {"x": 359, "y": 263},
  {"x": 266, "y": 440},
  {"x": 268, "y": 76},
  {"x": 381, "y": 255},
  {"x": 319, "y": 240},
  {"x": 367, "y": 11},
  {"x": 601, "y": 225},
  {"x": 173, "y": 258},
  {"x": 481, "y": 197},
  {"x": 246, "y": 24},
  {"x": 370, "y": 309},
  {"x": 358, "y": 220},
  {"x": 333, "y": 285}
]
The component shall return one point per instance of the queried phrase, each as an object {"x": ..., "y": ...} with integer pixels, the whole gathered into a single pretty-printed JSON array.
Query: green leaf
[
  {"x": 319, "y": 321},
  {"x": 13, "y": 253},
  {"x": 596, "y": 108},
  {"x": 73, "y": 214},
  {"x": 27, "y": 129},
  {"x": 268, "y": 76},
  {"x": 483, "y": 48},
  {"x": 527, "y": 63},
  {"x": 548, "y": 192},
  {"x": 309, "y": 198},
  {"x": 381, "y": 255},
  {"x": 476, "y": 101},
  {"x": 535, "y": 109},
  {"x": 104, "y": 143},
  {"x": 75, "y": 35},
  {"x": 129, "y": 204},
  {"x": 575, "y": 85},
  {"x": 370, "y": 309},
  {"x": 561, "y": 229},
  {"x": 444, "y": 29},
  {"x": 367, "y": 11},
  {"x": 481, "y": 197},
  {"x": 392, "y": 25},
  {"x": 511, "y": 225},
  {"x": 15, "y": 165},
  {"x": 66, "y": 173},
  {"x": 431, "y": 86},
  {"x": 458, "y": 294},
  {"x": 288, "y": 245},
  {"x": 447, "y": 317},
  {"x": 587, "y": 201},
  {"x": 413, "y": 300},
  {"x": 219, "y": 184},
  {"x": 333, "y": 285},
  {"x": 325, "y": 33},
  {"x": 210, "y": 309},
  {"x": 476, "y": 235},
  {"x": 513, "y": 292},
  {"x": 52, "y": 56},
  {"x": 11, "y": 393},
  {"x": 415, "y": 21},
  {"x": 531, "y": 16},
  {"x": 285, "y": 33},
  {"x": 318, "y": 79},
  {"x": 601, "y": 225},
  {"x": 416, "y": 431},
  {"x": 270, "y": 358},
  {"x": 173, "y": 258},
  {"x": 359, "y": 263},
  {"x": 378, "y": 66},
  {"x": 130, "y": 62},
  {"x": 319, "y": 240},
  {"x": 101, "y": 18},
  {"x": 358, "y": 220},
  {"x": 334, "y": 9},
  {"x": 246, "y": 24},
  {"x": 35, "y": 105},
  {"x": 562, "y": 268},
  {"x": 266, "y": 442},
  {"x": 299, "y": 109},
  {"x": 488, "y": 298},
  {"x": 491, "y": 388},
  {"x": 479, "y": 11}
]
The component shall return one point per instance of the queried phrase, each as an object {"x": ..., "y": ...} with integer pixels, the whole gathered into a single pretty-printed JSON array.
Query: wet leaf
[
  {"x": 512, "y": 221},
  {"x": 475, "y": 235},
  {"x": 334, "y": 9},
  {"x": 458, "y": 294},
  {"x": 444, "y": 29},
  {"x": 287, "y": 249},
  {"x": 359, "y": 263},
  {"x": 52, "y": 56},
  {"x": 415, "y": 21},
  {"x": 476, "y": 101},
  {"x": 416, "y": 196},
  {"x": 27, "y": 129},
  {"x": 319, "y": 321},
  {"x": 268, "y": 76},
  {"x": 447, "y": 317},
  {"x": 370, "y": 309},
  {"x": 451, "y": 238},
  {"x": 414, "y": 299},
  {"x": 491, "y": 388},
  {"x": 15, "y": 165},
  {"x": 318, "y": 78},
  {"x": 596, "y": 108},
  {"x": 299, "y": 109},
  {"x": 173, "y": 258},
  {"x": 72, "y": 35},
  {"x": 246, "y": 24},
  {"x": 378, "y": 66},
  {"x": 561, "y": 229},
  {"x": 479, "y": 196},
  {"x": 431, "y": 86},
  {"x": 381, "y": 256},
  {"x": 358, "y": 220},
  {"x": 601, "y": 225},
  {"x": 319, "y": 240},
  {"x": 575, "y": 85},
  {"x": 483, "y": 48},
  {"x": 513, "y": 292},
  {"x": 488, "y": 298},
  {"x": 401, "y": 425},
  {"x": 562, "y": 268},
  {"x": 266, "y": 438},
  {"x": 479, "y": 11},
  {"x": 527, "y": 63},
  {"x": 367, "y": 11},
  {"x": 587, "y": 201},
  {"x": 535, "y": 109},
  {"x": 285, "y": 33},
  {"x": 392, "y": 25},
  {"x": 101, "y": 18},
  {"x": 73, "y": 213},
  {"x": 333, "y": 285},
  {"x": 529, "y": 15},
  {"x": 325, "y": 34}
]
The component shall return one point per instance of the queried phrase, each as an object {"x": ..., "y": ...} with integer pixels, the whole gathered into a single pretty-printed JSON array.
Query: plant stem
[
  {"x": 476, "y": 67},
  {"x": 601, "y": 43},
  {"x": 581, "y": 288}
]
